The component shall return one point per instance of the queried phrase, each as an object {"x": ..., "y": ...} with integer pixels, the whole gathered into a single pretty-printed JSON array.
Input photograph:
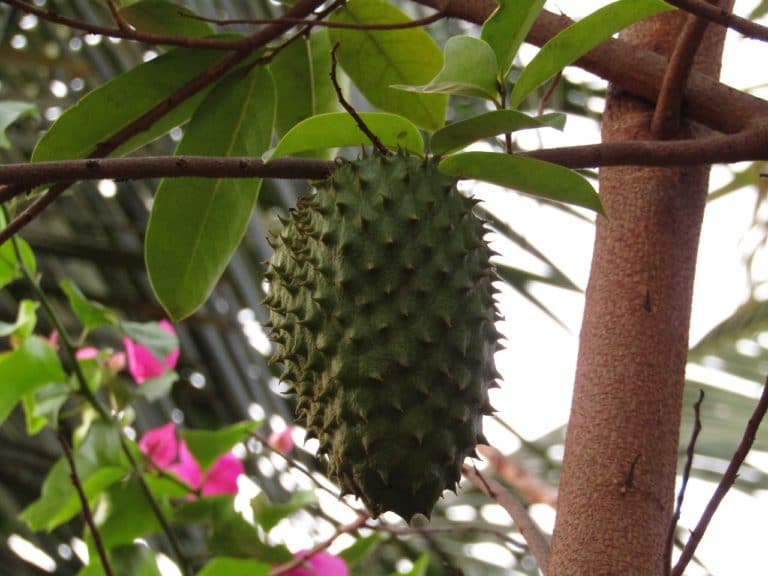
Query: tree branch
[
  {"x": 749, "y": 145},
  {"x": 634, "y": 69},
  {"x": 667, "y": 114},
  {"x": 728, "y": 479},
  {"x": 537, "y": 544},
  {"x": 723, "y": 17}
]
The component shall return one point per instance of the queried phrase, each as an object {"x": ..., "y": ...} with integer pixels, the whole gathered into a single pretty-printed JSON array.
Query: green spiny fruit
[{"x": 381, "y": 305}]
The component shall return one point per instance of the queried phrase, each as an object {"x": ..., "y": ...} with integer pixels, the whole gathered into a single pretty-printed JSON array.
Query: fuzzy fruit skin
[{"x": 381, "y": 305}]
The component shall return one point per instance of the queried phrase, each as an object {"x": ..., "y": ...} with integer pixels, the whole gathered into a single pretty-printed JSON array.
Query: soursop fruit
[{"x": 382, "y": 308}]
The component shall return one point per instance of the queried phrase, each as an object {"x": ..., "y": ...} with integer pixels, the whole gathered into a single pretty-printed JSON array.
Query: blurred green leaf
[
  {"x": 124, "y": 514},
  {"x": 207, "y": 445},
  {"x": 267, "y": 514},
  {"x": 527, "y": 175},
  {"x": 235, "y": 567},
  {"x": 578, "y": 39},
  {"x": 361, "y": 548},
  {"x": 469, "y": 70},
  {"x": 377, "y": 59},
  {"x": 460, "y": 134},
  {"x": 197, "y": 223},
  {"x": 32, "y": 365},
  {"x": 10, "y": 111},
  {"x": 26, "y": 320},
  {"x": 419, "y": 567},
  {"x": 42, "y": 406},
  {"x": 100, "y": 463},
  {"x": 338, "y": 129},
  {"x": 132, "y": 560},
  {"x": 507, "y": 27},
  {"x": 165, "y": 18},
  {"x": 152, "y": 336},
  {"x": 91, "y": 314},
  {"x": 158, "y": 387}
]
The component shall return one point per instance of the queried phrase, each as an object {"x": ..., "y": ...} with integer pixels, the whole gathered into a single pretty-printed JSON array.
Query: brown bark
[{"x": 618, "y": 478}]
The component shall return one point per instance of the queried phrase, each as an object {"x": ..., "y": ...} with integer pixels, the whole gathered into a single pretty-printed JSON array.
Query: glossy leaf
[
  {"x": 10, "y": 111},
  {"x": 377, "y": 59},
  {"x": 302, "y": 82},
  {"x": 32, "y": 365},
  {"x": 165, "y": 18},
  {"x": 207, "y": 445},
  {"x": 469, "y": 70},
  {"x": 339, "y": 129},
  {"x": 578, "y": 39},
  {"x": 460, "y": 134},
  {"x": 222, "y": 566},
  {"x": 26, "y": 319},
  {"x": 527, "y": 175},
  {"x": 91, "y": 314},
  {"x": 267, "y": 514},
  {"x": 196, "y": 223},
  {"x": 507, "y": 27},
  {"x": 111, "y": 107}
]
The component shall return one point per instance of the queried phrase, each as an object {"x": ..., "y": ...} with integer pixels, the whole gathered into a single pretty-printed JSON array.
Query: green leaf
[
  {"x": 377, "y": 59},
  {"x": 507, "y": 27},
  {"x": 235, "y": 567},
  {"x": 123, "y": 514},
  {"x": 32, "y": 365},
  {"x": 469, "y": 70},
  {"x": 578, "y": 39},
  {"x": 460, "y": 134},
  {"x": 42, "y": 406},
  {"x": 10, "y": 111},
  {"x": 165, "y": 18},
  {"x": 158, "y": 387},
  {"x": 527, "y": 175},
  {"x": 111, "y": 107},
  {"x": 267, "y": 514},
  {"x": 133, "y": 560},
  {"x": 91, "y": 314},
  {"x": 197, "y": 223},
  {"x": 338, "y": 129},
  {"x": 362, "y": 547},
  {"x": 152, "y": 336},
  {"x": 100, "y": 463},
  {"x": 10, "y": 269},
  {"x": 302, "y": 83},
  {"x": 207, "y": 445},
  {"x": 26, "y": 319}
]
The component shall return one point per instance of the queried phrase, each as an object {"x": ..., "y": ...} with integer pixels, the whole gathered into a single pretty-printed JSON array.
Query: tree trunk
[{"x": 621, "y": 453}]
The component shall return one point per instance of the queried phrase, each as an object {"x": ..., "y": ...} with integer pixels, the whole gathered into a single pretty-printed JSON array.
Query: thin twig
[
  {"x": 455, "y": 529},
  {"x": 728, "y": 479},
  {"x": 119, "y": 20},
  {"x": 690, "y": 451},
  {"x": 86, "y": 508},
  {"x": 348, "y": 107},
  {"x": 723, "y": 17},
  {"x": 536, "y": 541},
  {"x": 666, "y": 115},
  {"x": 304, "y": 556}
]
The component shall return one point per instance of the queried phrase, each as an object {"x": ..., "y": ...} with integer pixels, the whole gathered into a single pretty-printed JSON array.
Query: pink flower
[
  {"x": 281, "y": 441},
  {"x": 142, "y": 364},
  {"x": 320, "y": 564},
  {"x": 166, "y": 451}
]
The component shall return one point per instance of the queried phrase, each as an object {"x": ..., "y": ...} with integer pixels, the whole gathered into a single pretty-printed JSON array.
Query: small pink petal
[
  {"x": 320, "y": 564},
  {"x": 141, "y": 363},
  {"x": 161, "y": 445},
  {"x": 221, "y": 478},
  {"x": 53, "y": 339},
  {"x": 117, "y": 362},
  {"x": 87, "y": 353},
  {"x": 281, "y": 441},
  {"x": 186, "y": 467}
]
